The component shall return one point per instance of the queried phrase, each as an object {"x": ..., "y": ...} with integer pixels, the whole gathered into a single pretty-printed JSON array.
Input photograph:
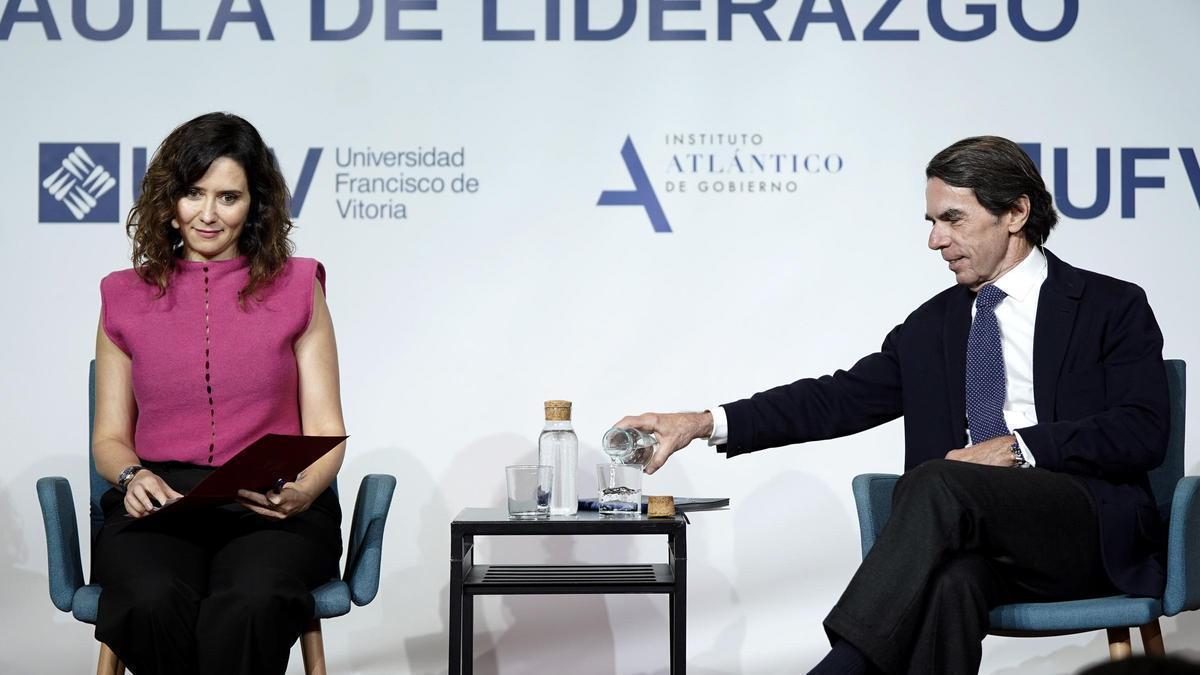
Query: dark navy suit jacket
[{"x": 1100, "y": 392}]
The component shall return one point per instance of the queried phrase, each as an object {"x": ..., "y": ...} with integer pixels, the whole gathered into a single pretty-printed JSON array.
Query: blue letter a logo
[{"x": 642, "y": 193}]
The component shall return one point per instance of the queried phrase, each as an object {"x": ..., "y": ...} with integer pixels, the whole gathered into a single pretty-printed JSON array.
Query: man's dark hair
[{"x": 999, "y": 172}]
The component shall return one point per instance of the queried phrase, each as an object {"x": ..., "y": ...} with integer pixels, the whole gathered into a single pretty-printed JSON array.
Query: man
[{"x": 1034, "y": 401}]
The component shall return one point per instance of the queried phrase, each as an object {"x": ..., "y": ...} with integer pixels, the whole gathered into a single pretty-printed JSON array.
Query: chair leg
[
  {"x": 1152, "y": 640},
  {"x": 1119, "y": 647},
  {"x": 312, "y": 647},
  {"x": 109, "y": 664}
]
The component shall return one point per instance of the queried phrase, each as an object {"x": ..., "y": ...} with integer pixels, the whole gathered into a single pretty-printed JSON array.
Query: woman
[{"x": 214, "y": 338}]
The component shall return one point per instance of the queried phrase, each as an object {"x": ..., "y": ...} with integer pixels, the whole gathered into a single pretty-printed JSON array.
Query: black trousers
[
  {"x": 964, "y": 538},
  {"x": 221, "y": 591}
]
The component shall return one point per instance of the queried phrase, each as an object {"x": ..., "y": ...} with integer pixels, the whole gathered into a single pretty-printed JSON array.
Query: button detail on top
[{"x": 212, "y": 411}]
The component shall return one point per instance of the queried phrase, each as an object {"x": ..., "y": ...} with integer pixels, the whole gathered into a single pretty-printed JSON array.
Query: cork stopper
[
  {"x": 660, "y": 507},
  {"x": 558, "y": 411}
]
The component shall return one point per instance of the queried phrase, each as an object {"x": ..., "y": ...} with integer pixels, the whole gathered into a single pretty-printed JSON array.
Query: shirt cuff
[
  {"x": 720, "y": 432},
  {"x": 1030, "y": 460}
]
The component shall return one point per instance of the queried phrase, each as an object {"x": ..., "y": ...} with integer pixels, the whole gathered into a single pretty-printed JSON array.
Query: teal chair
[
  {"x": 69, "y": 593},
  {"x": 1178, "y": 501}
]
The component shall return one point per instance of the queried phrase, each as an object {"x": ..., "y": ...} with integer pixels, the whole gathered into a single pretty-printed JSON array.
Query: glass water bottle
[
  {"x": 628, "y": 445},
  {"x": 559, "y": 447}
]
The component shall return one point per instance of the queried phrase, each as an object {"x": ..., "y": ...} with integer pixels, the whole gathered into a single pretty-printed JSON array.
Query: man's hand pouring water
[{"x": 674, "y": 432}]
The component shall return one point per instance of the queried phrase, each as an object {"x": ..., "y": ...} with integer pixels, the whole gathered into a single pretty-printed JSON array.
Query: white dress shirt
[{"x": 1016, "y": 315}]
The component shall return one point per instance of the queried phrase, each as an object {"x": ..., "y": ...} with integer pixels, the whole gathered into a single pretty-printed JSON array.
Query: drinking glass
[
  {"x": 529, "y": 490},
  {"x": 619, "y": 489}
]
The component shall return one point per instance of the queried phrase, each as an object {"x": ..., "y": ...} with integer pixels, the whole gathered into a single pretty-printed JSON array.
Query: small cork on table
[{"x": 660, "y": 507}]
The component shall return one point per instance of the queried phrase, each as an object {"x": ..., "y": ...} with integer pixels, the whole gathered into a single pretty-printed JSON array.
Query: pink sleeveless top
[{"x": 210, "y": 377}]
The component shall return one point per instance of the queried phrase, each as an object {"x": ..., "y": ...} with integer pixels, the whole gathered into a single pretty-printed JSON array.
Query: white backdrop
[{"x": 455, "y": 322}]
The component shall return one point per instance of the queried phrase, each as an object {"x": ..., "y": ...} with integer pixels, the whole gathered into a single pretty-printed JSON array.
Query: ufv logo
[
  {"x": 79, "y": 181},
  {"x": 642, "y": 194},
  {"x": 1134, "y": 174}
]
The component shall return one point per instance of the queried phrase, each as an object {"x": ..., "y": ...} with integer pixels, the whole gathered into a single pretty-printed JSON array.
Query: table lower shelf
[{"x": 569, "y": 579}]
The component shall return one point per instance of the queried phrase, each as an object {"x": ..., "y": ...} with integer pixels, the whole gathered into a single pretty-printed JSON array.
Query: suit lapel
[
  {"x": 1057, "y": 306},
  {"x": 954, "y": 341}
]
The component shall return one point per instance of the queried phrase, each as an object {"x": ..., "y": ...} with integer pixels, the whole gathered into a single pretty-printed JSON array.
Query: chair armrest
[
  {"x": 62, "y": 540},
  {"x": 365, "y": 550},
  {"x": 873, "y": 500},
  {"x": 1183, "y": 549}
]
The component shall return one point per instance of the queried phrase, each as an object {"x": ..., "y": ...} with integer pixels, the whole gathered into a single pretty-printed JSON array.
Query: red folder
[{"x": 258, "y": 467}]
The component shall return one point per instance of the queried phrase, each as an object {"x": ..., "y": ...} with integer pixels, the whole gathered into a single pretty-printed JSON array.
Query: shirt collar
[{"x": 1026, "y": 277}]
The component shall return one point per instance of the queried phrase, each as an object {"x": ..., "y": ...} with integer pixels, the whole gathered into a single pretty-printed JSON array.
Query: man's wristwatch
[
  {"x": 1018, "y": 455},
  {"x": 127, "y": 475}
]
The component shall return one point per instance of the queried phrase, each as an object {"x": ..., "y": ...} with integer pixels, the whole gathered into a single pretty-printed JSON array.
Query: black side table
[{"x": 468, "y": 579}]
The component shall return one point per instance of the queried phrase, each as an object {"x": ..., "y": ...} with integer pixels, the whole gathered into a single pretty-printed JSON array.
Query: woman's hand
[
  {"x": 289, "y": 500},
  {"x": 145, "y": 485}
]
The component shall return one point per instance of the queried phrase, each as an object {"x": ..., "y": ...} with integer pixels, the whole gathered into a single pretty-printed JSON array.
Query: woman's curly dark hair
[{"x": 182, "y": 159}]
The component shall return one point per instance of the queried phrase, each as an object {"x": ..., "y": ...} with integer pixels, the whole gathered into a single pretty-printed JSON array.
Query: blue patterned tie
[{"x": 985, "y": 369}]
